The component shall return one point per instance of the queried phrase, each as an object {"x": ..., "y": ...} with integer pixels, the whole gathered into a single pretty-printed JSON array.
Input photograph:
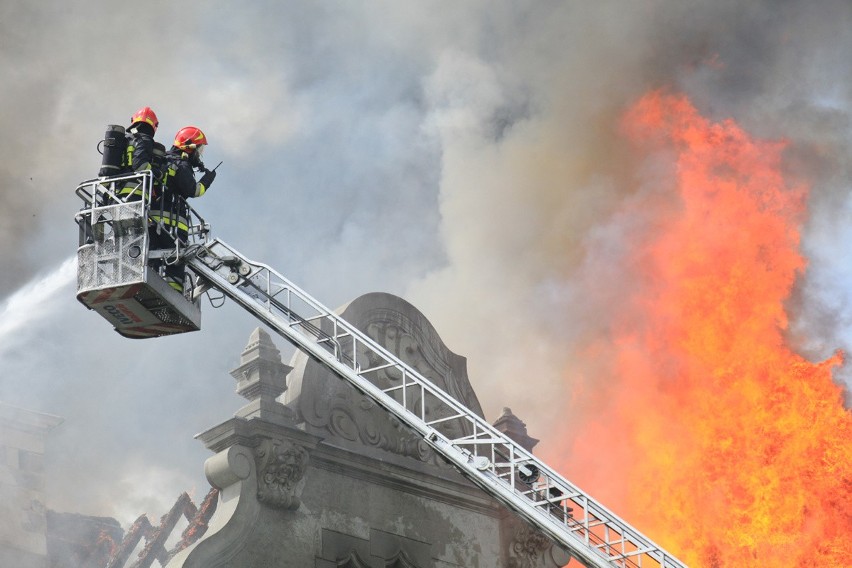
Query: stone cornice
[
  {"x": 424, "y": 480},
  {"x": 27, "y": 420},
  {"x": 251, "y": 432}
]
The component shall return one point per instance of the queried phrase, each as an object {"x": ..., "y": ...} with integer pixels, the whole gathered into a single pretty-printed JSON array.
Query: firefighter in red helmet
[
  {"x": 182, "y": 160},
  {"x": 141, "y": 151},
  {"x": 185, "y": 154}
]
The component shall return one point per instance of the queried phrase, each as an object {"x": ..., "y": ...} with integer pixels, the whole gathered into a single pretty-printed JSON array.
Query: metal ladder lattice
[{"x": 489, "y": 458}]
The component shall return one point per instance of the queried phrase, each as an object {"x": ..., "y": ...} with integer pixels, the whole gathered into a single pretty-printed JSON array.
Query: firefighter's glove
[{"x": 207, "y": 178}]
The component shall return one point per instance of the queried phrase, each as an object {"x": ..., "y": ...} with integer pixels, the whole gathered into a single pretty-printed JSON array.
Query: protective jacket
[
  {"x": 170, "y": 208},
  {"x": 140, "y": 150},
  {"x": 179, "y": 186},
  {"x": 139, "y": 157},
  {"x": 181, "y": 178}
]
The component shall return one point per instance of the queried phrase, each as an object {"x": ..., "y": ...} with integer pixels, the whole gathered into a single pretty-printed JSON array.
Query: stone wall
[
  {"x": 22, "y": 512},
  {"x": 330, "y": 480}
]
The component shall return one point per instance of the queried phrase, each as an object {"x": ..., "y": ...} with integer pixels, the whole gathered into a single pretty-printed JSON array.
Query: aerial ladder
[{"x": 119, "y": 276}]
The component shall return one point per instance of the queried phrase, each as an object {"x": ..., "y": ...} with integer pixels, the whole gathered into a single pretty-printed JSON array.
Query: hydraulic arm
[{"x": 489, "y": 458}]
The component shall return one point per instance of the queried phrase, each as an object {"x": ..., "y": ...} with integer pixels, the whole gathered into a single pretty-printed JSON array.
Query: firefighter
[
  {"x": 127, "y": 151},
  {"x": 141, "y": 151},
  {"x": 182, "y": 160},
  {"x": 185, "y": 156}
]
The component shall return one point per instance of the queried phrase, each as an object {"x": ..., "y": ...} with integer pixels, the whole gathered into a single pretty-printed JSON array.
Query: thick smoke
[
  {"x": 467, "y": 158},
  {"x": 527, "y": 205}
]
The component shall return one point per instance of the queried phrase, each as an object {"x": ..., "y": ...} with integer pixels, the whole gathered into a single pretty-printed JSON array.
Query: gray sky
[{"x": 461, "y": 155}]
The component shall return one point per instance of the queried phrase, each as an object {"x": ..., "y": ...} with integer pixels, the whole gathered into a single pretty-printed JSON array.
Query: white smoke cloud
[{"x": 464, "y": 157}]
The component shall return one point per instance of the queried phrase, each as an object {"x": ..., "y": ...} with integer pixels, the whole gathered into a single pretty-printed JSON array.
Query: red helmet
[
  {"x": 189, "y": 138},
  {"x": 145, "y": 114}
]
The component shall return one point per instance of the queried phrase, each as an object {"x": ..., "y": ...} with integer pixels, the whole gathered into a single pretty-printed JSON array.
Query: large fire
[{"x": 715, "y": 439}]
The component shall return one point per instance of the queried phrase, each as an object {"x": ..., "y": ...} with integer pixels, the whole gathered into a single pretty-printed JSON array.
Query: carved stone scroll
[
  {"x": 531, "y": 548},
  {"x": 328, "y": 404}
]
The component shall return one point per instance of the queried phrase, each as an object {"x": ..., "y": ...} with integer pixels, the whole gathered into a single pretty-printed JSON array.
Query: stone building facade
[
  {"x": 23, "y": 516},
  {"x": 312, "y": 474}
]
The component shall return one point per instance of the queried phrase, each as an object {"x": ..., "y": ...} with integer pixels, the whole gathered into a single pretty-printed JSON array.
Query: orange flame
[{"x": 714, "y": 438}]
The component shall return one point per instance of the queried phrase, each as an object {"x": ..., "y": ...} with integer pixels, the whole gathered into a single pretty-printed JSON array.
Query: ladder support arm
[{"x": 486, "y": 456}]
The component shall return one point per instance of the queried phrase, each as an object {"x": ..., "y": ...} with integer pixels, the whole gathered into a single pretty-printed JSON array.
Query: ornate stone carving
[
  {"x": 356, "y": 417},
  {"x": 352, "y": 561},
  {"x": 528, "y": 546},
  {"x": 280, "y": 466},
  {"x": 261, "y": 465},
  {"x": 232, "y": 471},
  {"x": 327, "y": 403},
  {"x": 382, "y": 549},
  {"x": 401, "y": 560}
]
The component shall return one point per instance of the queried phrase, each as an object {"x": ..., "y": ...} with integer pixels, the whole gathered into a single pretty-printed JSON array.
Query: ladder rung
[
  {"x": 554, "y": 498},
  {"x": 400, "y": 387},
  {"x": 377, "y": 368},
  {"x": 546, "y": 501},
  {"x": 476, "y": 442},
  {"x": 610, "y": 543},
  {"x": 637, "y": 552},
  {"x": 476, "y": 435},
  {"x": 446, "y": 419}
]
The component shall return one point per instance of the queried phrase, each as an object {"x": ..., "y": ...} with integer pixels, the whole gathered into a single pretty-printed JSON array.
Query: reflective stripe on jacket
[
  {"x": 139, "y": 157},
  {"x": 140, "y": 151},
  {"x": 179, "y": 185},
  {"x": 169, "y": 219}
]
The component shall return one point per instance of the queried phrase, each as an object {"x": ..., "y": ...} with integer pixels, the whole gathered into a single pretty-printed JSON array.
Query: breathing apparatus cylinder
[{"x": 114, "y": 149}]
